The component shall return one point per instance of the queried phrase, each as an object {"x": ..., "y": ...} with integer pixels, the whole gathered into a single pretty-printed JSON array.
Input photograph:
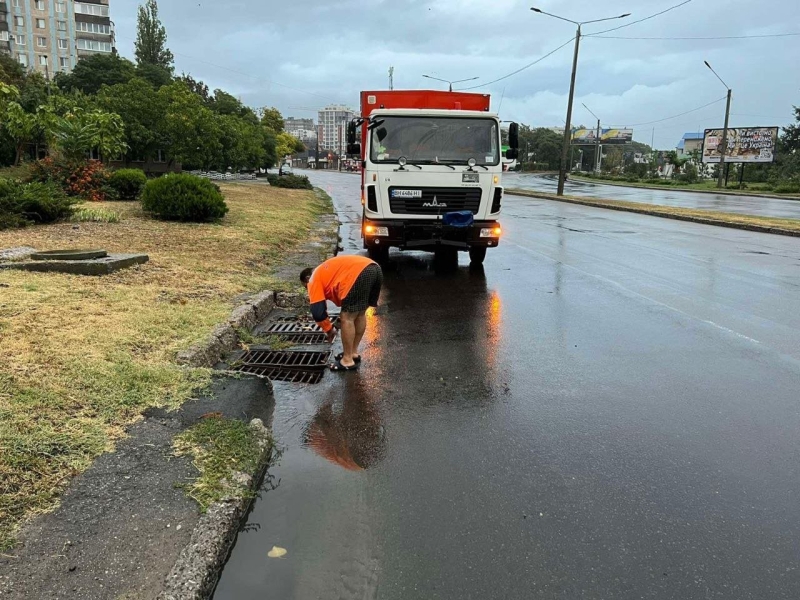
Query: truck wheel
[
  {"x": 477, "y": 254},
  {"x": 379, "y": 254}
]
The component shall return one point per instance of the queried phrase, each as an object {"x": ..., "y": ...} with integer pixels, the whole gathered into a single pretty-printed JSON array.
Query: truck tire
[
  {"x": 477, "y": 254},
  {"x": 379, "y": 254}
]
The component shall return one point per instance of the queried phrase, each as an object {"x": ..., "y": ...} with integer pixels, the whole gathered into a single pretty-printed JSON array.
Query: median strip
[{"x": 789, "y": 227}]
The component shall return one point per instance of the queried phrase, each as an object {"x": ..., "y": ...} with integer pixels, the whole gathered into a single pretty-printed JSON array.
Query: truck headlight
[
  {"x": 492, "y": 232},
  {"x": 373, "y": 231}
]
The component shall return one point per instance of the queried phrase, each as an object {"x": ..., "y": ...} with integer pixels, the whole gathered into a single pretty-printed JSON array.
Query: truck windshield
[{"x": 435, "y": 140}]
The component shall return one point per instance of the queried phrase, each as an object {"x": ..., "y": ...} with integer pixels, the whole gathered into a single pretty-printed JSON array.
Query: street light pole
[
  {"x": 598, "y": 149},
  {"x": 450, "y": 83},
  {"x": 724, "y": 149},
  {"x": 562, "y": 175}
]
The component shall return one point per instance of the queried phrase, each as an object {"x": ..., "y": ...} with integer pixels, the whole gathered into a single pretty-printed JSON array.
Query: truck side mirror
[
  {"x": 512, "y": 154},
  {"x": 354, "y": 149},
  {"x": 351, "y": 133},
  {"x": 513, "y": 136}
]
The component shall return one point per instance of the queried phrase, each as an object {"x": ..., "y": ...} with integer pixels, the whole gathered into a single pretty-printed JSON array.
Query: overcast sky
[{"x": 309, "y": 53}]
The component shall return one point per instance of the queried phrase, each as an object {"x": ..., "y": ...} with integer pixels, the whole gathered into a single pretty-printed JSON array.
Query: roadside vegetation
[
  {"x": 221, "y": 449},
  {"x": 84, "y": 356}
]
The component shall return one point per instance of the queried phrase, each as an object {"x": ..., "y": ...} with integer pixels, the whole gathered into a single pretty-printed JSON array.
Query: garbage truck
[{"x": 432, "y": 169}]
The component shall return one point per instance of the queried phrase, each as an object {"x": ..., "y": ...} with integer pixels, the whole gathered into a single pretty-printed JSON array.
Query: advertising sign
[
  {"x": 745, "y": 145},
  {"x": 607, "y": 136}
]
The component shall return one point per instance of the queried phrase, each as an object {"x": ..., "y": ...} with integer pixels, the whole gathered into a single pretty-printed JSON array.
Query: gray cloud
[{"x": 306, "y": 54}]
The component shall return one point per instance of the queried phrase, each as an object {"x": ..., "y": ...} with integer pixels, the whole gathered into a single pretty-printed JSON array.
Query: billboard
[
  {"x": 607, "y": 136},
  {"x": 745, "y": 145}
]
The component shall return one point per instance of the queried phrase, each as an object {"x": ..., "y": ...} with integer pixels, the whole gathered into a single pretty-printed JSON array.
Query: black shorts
[{"x": 365, "y": 291}]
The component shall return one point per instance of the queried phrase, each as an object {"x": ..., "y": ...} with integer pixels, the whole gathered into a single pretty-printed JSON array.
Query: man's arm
[{"x": 319, "y": 305}]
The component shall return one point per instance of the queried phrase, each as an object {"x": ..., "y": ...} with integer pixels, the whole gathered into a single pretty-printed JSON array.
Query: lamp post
[
  {"x": 562, "y": 175},
  {"x": 598, "y": 149},
  {"x": 450, "y": 83},
  {"x": 724, "y": 150}
]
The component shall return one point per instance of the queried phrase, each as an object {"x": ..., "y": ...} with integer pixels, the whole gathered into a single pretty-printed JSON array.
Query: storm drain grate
[
  {"x": 301, "y": 327},
  {"x": 303, "y": 320},
  {"x": 288, "y": 375},
  {"x": 301, "y": 338},
  {"x": 294, "y": 366}
]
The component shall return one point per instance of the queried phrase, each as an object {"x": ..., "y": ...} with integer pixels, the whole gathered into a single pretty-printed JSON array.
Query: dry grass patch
[
  {"x": 769, "y": 224},
  {"x": 83, "y": 356}
]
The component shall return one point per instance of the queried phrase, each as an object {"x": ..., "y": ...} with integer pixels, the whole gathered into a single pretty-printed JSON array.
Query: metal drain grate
[
  {"x": 295, "y": 327},
  {"x": 290, "y": 359},
  {"x": 302, "y": 339},
  {"x": 288, "y": 375},
  {"x": 294, "y": 366},
  {"x": 304, "y": 320}
]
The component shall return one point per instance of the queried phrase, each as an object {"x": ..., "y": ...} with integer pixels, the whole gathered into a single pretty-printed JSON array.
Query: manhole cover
[
  {"x": 69, "y": 255},
  {"x": 291, "y": 366},
  {"x": 302, "y": 338}
]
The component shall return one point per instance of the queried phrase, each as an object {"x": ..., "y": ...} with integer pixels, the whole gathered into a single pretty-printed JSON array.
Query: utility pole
[
  {"x": 562, "y": 175},
  {"x": 724, "y": 149},
  {"x": 391, "y": 78},
  {"x": 598, "y": 161}
]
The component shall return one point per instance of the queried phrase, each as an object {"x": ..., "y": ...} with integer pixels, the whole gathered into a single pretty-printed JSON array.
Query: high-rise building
[
  {"x": 303, "y": 129},
  {"x": 52, "y": 35},
  {"x": 333, "y": 122}
]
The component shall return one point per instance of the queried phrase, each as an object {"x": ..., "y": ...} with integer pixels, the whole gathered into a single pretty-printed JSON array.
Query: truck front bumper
[{"x": 429, "y": 234}]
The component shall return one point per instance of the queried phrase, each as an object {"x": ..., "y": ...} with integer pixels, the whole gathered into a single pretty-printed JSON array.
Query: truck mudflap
[{"x": 429, "y": 234}]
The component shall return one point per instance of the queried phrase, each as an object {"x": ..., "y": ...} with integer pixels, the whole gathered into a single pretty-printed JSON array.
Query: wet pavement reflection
[{"x": 607, "y": 410}]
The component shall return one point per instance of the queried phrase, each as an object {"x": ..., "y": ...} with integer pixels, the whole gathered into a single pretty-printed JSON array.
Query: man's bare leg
[
  {"x": 347, "y": 324},
  {"x": 361, "y": 327}
]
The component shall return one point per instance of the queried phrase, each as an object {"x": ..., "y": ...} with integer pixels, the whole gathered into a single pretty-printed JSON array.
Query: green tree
[
  {"x": 19, "y": 126},
  {"x": 197, "y": 86},
  {"x": 11, "y": 72},
  {"x": 191, "y": 131},
  {"x": 155, "y": 75},
  {"x": 151, "y": 38},
  {"x": 94, "y": 71},
  {"x": 80, "y": 132},
  {"x": 272, "y": 119},
  {"x": 287, "y": 145},
  {"x": 242, "y": 143},
  {"x": 142, "y": 111}
]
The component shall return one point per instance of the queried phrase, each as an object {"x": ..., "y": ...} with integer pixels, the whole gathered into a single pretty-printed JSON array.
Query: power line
[
  {"x": 658, "y": 14},
  {"x": 528, "y": 66},
  {"x": 722, "y": 37},
  {"x": 680, "y": 115}
]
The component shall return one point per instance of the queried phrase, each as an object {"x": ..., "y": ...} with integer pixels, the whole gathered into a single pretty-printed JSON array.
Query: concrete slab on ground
[{"x": 99, "y": 266}]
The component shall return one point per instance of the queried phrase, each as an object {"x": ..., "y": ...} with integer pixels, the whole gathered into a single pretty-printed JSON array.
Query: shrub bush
[
  {"x": 22, "y": 204},
  {"x": 183, "y": 197},
  {"x": 792, "y": 187},
  {"x": 128, "y": 183},
  {"x": 87, "y": 179},
  {"x": 294, "y": 182}
]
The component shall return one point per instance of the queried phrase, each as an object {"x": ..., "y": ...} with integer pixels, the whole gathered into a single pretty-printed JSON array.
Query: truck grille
[{"x": 436, "y": 201}]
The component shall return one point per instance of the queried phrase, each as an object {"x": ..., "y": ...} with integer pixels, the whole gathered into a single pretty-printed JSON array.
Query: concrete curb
[
  {"x": 196, "y": 572},
  {"x": 672, "y": 189},
  {"x": 655, "y": 213}
]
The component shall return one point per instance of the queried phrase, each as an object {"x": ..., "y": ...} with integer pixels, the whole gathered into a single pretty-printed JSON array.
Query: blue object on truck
[{"x": 461, "y": 218}]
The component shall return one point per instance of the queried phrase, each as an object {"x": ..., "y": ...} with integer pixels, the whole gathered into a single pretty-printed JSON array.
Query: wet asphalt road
[
  {"x": 748, "y": 205},
  {"x": 611, "y": 410}
]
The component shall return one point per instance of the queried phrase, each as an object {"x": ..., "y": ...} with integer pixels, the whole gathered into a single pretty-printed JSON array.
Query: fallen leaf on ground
[{"x": 277, "y": 552}]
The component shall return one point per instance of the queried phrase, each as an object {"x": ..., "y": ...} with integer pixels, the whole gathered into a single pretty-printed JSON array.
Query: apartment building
[
  {"x": 333, "y": 122},
  {"x": 52, "y": 35},
  {"x": 303, "y": 129}
]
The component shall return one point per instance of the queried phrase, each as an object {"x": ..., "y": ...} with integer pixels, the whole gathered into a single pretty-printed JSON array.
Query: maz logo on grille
[{"x": 434, "y": 204}]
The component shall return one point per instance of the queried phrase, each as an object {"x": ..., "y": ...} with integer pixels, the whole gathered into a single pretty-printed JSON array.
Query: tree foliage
[
  {"x": 151, "y": 38},
  {"x": 272, "y": 119},
  {"x": 92, "y": 72}
]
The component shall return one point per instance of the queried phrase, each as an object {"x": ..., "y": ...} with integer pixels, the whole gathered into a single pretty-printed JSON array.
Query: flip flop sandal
[
  {"x": 340, "y": 356},
  {"x": 339, "y": 367}
]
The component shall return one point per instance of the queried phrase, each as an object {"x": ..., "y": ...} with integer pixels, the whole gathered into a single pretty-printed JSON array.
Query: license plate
[
  {"x": 406, "y": 193},
  {"x": 470, "y": 178}
]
